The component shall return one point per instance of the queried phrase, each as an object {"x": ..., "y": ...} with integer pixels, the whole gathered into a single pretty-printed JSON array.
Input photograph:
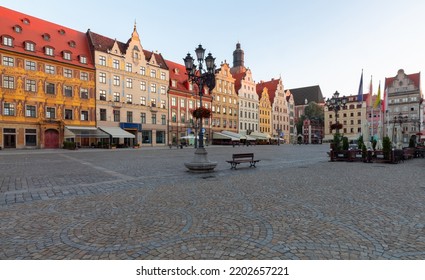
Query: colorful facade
[
  {"x": 225, "y": 101},
  {"x": 47, "y": 82},
  {"x": 265, "y": 110},
  {"x": 246, "y": 90},
  {"x": 131, "y": 91},
  {"x": 183, "y": 98}
]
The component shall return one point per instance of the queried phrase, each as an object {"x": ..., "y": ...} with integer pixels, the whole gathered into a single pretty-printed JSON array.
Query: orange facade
[{"x": 47, "y": 82}]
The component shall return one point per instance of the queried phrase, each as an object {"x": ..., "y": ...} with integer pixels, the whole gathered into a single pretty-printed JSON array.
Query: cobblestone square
[{"x": 143, "y": 204}]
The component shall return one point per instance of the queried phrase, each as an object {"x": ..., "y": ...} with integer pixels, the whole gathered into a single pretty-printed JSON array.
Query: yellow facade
[
  {"x": 265, "y": 110},
  {"x": 32, "y": 118},
  {"x": 225, "y": 101}
]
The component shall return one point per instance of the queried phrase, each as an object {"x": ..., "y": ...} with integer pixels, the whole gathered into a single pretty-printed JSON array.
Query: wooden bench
[{"x": 239, "y": 158}]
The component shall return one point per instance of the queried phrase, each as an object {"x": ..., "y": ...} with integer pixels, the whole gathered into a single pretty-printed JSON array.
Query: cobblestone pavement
[{"x": 143, "y": 204}]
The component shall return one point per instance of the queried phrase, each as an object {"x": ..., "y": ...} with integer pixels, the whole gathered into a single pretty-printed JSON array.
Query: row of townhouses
[
  {"x": 398, "y": 114},
  {"x": 59, "y": 84}
]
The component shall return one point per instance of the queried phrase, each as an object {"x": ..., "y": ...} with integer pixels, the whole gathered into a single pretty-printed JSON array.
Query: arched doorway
[{"x": 51, "y": 139}]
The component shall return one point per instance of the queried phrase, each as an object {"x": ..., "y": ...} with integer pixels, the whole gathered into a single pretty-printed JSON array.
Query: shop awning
[
  {"x": 218, "y": 135},
  {"x": 237, "y": 135},
  {"x": 260, "y": 136},
  {"x": 116, "y": 132},
  {"x": 84, "y": 132}
]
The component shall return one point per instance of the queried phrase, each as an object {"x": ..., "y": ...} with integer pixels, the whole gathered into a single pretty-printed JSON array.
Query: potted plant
[
  {"x": 201, "y": 112},
  {"x": 386, "y": 147}
]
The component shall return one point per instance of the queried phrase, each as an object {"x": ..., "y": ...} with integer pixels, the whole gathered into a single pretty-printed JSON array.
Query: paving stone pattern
[{"x": 143, "y": 204}]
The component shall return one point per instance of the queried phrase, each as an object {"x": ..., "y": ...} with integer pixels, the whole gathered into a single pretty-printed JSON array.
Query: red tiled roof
[
  {"x": 238, "y": 80},
  {"x": 271, "y": 86},
  {"x": 178, "y": 73},
  {"x": 60, "y": 38}
]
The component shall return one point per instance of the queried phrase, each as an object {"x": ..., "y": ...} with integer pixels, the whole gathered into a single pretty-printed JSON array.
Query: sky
[{"x": 305, "y": 42}]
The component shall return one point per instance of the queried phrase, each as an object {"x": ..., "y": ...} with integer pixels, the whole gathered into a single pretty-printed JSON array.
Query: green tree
[{"x": 312, "y": 111}]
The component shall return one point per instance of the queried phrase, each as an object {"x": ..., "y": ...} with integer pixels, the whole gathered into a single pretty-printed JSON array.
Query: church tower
[{"x": 238, "y": 60}]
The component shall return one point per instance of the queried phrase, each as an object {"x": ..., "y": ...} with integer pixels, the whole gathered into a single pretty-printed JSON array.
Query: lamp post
[
  {"x": 336, "y": 103},
  {"x": 202, "y": 77}
]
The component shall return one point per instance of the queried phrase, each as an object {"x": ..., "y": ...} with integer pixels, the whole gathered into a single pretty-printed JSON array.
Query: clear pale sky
[{"x": 325, "y": 43}]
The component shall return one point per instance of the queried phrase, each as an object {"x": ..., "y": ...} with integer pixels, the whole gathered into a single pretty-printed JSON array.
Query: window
[
  {"x": 8, "y": 61},
  {"x": 163, "y": 76},
  {"x": 67, "y": 55},
  {"x": 143, "y": 85},
  {"x": 160, "y": 137},
  {"x": 84, "y": 93},
  {"x": 103, "y": 114},
  {"x": 17, "y": 29},
  {"x": 143, "y": 100},
  {"x": 116, "y": 64},
  {"x": 68, "y": 91},
  {"x": 163, "y": 104},
  {"x": 116, "y": 115},
  {"x": 9, "y": 82},
  {"x": 84, "y": 115},
  {"x": 153, "y": 88},
  {"x": 146, "y": 136},
  {"x": 116, "y": 97},
  {"x": 163, "y": 90},
  {"x": 68, "y": 114},
  {"x": 102, "y": 60},
  {"x": 46, "y": 37},
  {"x": 129, "y": 116},
  {"x": 50, "y": 113},
  {"x": 163, "y": 120},
  {"x": 8, "y": 109},
  {"x": 190, "y": 104},
  {"x": 116, "y": 80},
  {"x": 48, "y": 51},
  {"x": 30, "y": 46},
  {"x": 153, "y": 102},
  {"x": 129, "y": 83},
  {"x": 102, "y": 78},
  {"x": 30, "y": 65},
  {"x": 173, "y": 116},
  {"x": 84, "y": 76},
  {"x": 182, "y": 103},
  {"x": 153, "y": 118},
  {"x": 50, "y": 69},
  {"x": 50, "y": 88},
  {"x": 30, "y": 137},
  {"x": 129, "y": 98},
  {"x": 30, "y": 85},
  {"x": 83, "y": 59},
  {"x": 142, "y": 71},
  {"x": 128, "y": 67},
  {"x": 102, "y": 95},
  {"x": 153, "y": 73},
  {"x": 7, "y": 41},
  {"x": 142, "y": 118},
  {"x": 173, "y": 101},
  {"x": 67, "y": 73}
]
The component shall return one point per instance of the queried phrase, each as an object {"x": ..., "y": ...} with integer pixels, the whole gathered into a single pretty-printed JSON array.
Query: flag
[
  {"x": 360, "y": 94},
  {"x": 369, "y": 99},
  {"x": 378, "y": 98},
  {"x": 385, "y": 101}
]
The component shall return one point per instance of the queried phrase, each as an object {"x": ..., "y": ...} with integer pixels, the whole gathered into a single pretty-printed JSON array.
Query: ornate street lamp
[
  {"x": 203, "y": 78},
  {"x": 336, "y": 103}
]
